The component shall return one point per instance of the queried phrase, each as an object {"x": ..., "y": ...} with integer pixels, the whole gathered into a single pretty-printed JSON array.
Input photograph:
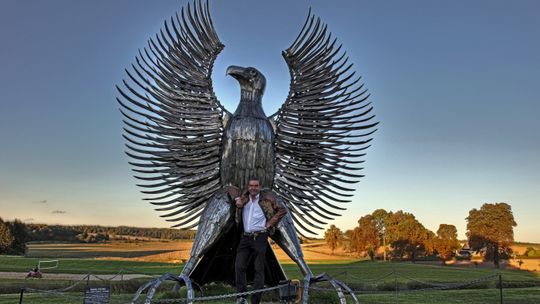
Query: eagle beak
[{"x": 236, "y": 71}]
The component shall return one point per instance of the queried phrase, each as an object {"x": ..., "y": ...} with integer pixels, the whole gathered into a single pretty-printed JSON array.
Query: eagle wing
[
  {"x": 173, "y": 120},
  {"x": 322, "y": 129}
]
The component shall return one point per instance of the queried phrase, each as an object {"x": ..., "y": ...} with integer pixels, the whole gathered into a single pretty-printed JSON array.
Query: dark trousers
[{"x": 248, "y": 249}]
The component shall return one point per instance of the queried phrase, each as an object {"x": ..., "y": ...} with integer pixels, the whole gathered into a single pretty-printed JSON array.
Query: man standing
[{"x": 259, "y": 213}]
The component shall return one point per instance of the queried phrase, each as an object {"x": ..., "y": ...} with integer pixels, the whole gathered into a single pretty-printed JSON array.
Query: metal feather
[
  {"x": 173, "y": 121},
  {"x": 325, "y": 111}
]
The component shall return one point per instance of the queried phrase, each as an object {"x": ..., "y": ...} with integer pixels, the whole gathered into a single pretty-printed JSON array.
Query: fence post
[
  {"x": 395, "y": 284},
  {"x": 500, "y": 288},
  {"x": 288, "y": 291},
  {"x": 21, "y": 297}
]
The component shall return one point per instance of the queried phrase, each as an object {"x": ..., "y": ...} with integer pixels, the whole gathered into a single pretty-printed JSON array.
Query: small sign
[
  {"x": 288, "y": 291},
  {"x": 97, "y": 295}
]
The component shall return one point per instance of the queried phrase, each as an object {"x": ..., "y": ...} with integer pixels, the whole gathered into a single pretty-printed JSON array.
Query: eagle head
[{"x": 252, "y": 82}]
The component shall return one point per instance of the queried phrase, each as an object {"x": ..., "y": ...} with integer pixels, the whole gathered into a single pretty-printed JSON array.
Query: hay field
[
  {"x": 168, "y": 251},
  {"x": 315, "y": 252},
  {"x": 527, "y": 264},
  {"x": 143, "y": 251}
]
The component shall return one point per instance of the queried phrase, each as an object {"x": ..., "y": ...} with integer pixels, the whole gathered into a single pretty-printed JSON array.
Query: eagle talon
[
  {"x": 339, "y": 286},
  {"x": 154, "y": 284}
]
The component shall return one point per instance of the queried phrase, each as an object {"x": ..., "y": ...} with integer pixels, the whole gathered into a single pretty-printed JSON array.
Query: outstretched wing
[
  {"x": 173, "y": 120},
  {"x": 322, "y": 130}
]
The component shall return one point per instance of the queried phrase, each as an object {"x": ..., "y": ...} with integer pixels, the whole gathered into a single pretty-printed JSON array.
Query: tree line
[
  {"x": 73, "y": 233},
  {"x": 15, "y": 234},
  {"x": 402, "y": 236}
]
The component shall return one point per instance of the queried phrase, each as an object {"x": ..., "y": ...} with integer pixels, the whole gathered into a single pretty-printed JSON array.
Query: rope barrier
[
  {"x": 121, "y": 272},
  {"x": 433, "y": 287},
  {"x": 456, "y": 286},
  {"x": 436, "y": 287},
  {"x": 219, "y": 297},
  {"x": 59, "y": 290},
  {"x": 63, "y": 294},
  {"x": 224, "y": 296}
]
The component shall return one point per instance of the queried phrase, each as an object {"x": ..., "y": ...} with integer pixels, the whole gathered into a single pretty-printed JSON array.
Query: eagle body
[
  {"x": 248, "y": 138},
  {"x": 248, "y": 147},
  {"x": 187, "y": 149}
]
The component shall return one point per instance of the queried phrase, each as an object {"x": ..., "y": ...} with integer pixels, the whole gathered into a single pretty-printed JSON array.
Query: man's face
[{"x": 254, "y": 187}]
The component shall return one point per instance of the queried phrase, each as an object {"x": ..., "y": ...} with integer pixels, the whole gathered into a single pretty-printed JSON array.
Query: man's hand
[{"x": 238, "y": 202}]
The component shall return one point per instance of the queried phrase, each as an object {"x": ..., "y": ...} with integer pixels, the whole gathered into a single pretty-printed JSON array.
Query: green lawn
[
  {"x": 469, "y": 296},
  {"x": 68, "y": 298},
  {"x": 363, "y": 271},
  {"x": 366, "y": 272},
  {"x": 511, "y": 296},
  {"x": 22, "y": 264},
  {"x": 374, "y": 281}
]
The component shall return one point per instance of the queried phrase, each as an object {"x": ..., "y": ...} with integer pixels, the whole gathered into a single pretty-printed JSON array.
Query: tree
[
  {"x": 381, "y": 217},
  {"x": 428, "y": 242},
  {"x": 491, "y": 228},
  {"x": 20, "y": 237},
  {"x": 406, "y": 235},
  {"x": 333, "y": 237},
  {"x": 350, "y": 240},
  {"x": 446, "y": 241},
  {"x": 6, "y": 238},
  {"x": 367, "y": 236}
]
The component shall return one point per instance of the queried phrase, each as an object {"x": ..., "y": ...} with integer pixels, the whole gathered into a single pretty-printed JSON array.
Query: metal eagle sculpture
[{"x": 189, "y": 151}]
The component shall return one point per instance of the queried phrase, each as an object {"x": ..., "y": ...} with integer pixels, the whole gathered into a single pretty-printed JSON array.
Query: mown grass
[
  {"x": 82, "y": 266},
  {"x": 367, "y": 277},
  {"x": 510, "y": 296},
  {"x": 366, "y": 271},
  {"x": 356, "y": 271},
  {"x": 475, "y": 296}
]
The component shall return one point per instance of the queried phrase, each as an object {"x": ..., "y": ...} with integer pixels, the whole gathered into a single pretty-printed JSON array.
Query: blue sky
[{"x": 454, "y": 85}]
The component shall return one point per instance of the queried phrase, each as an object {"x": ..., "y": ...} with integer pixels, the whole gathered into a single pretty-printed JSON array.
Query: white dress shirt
[{"x": 253, "y": 216}]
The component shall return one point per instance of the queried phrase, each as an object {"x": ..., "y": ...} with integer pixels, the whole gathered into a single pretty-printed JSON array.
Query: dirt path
[{"x": 74, "y": 277}]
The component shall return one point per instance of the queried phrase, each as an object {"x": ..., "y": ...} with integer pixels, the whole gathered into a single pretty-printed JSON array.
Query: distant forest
[{"x": 92, "y": 233}]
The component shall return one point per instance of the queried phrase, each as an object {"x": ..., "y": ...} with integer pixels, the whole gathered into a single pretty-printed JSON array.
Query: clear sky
[{"x": 455, "y": 85}]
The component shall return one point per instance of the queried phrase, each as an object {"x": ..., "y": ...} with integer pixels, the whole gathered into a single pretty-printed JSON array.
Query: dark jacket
[{"x": 272, "y": 209}]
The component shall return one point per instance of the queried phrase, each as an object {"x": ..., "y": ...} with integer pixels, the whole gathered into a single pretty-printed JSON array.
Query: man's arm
[{"x": 279, "y": 210}]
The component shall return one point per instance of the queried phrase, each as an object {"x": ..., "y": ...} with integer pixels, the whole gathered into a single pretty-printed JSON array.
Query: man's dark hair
[{"x": 253, "y": 178}]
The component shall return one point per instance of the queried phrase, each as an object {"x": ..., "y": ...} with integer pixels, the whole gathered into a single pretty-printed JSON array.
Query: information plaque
[{"x": 97, "y": 295}]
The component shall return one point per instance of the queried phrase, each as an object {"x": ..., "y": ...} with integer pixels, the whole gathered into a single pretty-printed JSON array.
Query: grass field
[
  {"x": 168, "y": 251},
  {"x": 380, "y": 278},
  {"x": 20, "y": 264},
  {"x": 375, "y": 281},
  {"x": 362, "y": 270},
  {"x": 483, "y": 296},
  {"x": 164, "y": 251}
]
